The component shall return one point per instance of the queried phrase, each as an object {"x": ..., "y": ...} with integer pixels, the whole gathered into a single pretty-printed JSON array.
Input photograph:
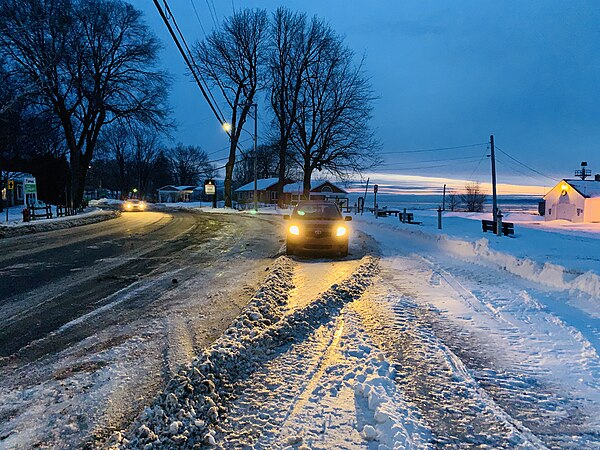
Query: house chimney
[{"x": 597, "y": 177}]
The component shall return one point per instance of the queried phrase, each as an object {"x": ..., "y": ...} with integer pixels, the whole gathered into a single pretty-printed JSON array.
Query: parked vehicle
[{"x": 317, "y": 226}]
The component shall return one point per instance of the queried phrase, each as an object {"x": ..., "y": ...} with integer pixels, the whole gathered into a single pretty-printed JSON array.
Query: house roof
[
  {"x": 587, "y": 188},
  {"x": 261, "y": 185},
  {"x": 298, "y": 188},
  {"x": 176, "y": 188}
]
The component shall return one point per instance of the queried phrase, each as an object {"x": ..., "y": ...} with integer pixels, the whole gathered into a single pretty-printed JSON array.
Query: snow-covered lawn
[{"x": 15, "y": 216}]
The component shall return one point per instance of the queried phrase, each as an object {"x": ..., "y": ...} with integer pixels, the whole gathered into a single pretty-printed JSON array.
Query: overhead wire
[
  {"x": 187, "y": 60},
  {"x": 213, "y": 15},
  {"x": 525, "y": 165},
  {"x": 191, "y": 57},
  {"x": 433, "y": 149},
  {"x": 198, "y": 17},
  {"x": 431, "y": 160}
]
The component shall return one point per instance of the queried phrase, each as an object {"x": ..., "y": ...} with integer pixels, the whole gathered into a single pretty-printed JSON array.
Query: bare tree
[
  {"x": 473, "y": 197},
  {"x": 453, "y": 201},
  {"x": 266, "y": 165},
  {"x": 90, "y": 62},
  {"x": 229, "y": 58},
  {"x": 335, "y": 102},
  {"x": 188, "y": 164},
  {"x": 293, "y": 42},
  {"x": 146, "y": 149},
  {"x": 115, "y": 144}
]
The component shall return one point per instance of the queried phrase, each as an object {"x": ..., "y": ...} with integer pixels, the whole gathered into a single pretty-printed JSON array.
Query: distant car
[
  {"x": 317, "y": 226},
  {"x": 134, "y": 205}
]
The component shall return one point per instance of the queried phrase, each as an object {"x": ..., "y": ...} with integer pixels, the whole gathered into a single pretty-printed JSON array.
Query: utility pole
[
  {"x": 494, "y": 197},
  {"x": 255, "y": 156},
  {"x": 444, "y": 199}
]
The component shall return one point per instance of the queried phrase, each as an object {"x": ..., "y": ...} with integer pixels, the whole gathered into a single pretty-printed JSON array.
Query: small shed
[
  {"x": 319, "y": 190},
  {"x": 174, "y": 194},
  {"x": 574, "y": 200},
  {"x": 266, "y": 190}
]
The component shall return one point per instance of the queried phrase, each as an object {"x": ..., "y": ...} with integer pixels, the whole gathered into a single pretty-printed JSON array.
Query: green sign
[{"x": 29, "y": 186}]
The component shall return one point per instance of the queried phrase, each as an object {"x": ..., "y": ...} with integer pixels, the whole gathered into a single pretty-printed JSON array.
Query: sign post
[
  {"x": 375, "y": 189},
  {"x": 211, "y": 189}
]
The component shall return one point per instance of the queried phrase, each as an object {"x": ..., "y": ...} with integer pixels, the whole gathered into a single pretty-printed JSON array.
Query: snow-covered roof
[
  {"x": 587, "y": 188},
  {"x": 176, "y": 188},
  {"x": 261, "y": 185},
  {"x": 298, "y": 188}
]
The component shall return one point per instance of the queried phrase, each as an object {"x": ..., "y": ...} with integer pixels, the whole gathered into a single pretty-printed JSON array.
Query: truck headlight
[
  {"x": 341, "y": 231},
  {"x": 295, "y": 230}
]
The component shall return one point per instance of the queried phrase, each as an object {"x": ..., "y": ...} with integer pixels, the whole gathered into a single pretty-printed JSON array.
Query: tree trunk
[
  {"x": 282, "y": 163},
  {"x": 306, "y": 181},
  {"x": 229, "y": 177}
]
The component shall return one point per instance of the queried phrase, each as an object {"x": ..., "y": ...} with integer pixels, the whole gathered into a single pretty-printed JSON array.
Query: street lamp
[{"x": 228, "y": 127}]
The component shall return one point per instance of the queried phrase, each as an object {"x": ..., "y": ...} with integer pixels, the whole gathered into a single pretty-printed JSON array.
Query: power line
[
  {"x": 526, "y": 166},
  {"x": 198, "y": 17},
  {"x": 433, "y": 149},
  {"x": 432, "y": 160},
  {"x": 192, "y": 59},
  {"x": 420, "y": 168},
  {"x": 187, "y": 60},
  {"x": 213, "y": 15}
]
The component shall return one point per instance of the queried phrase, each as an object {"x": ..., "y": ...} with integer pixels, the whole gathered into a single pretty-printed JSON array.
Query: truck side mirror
[
  {"x": 348, "y": 218},
  {"x": 286, "y": 217}
]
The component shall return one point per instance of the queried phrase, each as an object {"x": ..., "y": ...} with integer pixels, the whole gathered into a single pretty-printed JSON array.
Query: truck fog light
[
  {"x": 295, "y": 230},
  {"x": 341, "y": 231}
]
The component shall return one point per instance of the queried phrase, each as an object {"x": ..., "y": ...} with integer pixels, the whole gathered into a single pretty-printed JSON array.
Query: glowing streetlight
[{"x": 226, "y": 126}]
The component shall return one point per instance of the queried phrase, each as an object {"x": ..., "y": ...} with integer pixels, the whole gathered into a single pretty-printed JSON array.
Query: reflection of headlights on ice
[
  {"x": 294, "y": 230},
  {"x": 341, "y": 231}
]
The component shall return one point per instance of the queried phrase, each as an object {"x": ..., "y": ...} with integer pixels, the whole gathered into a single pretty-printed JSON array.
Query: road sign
[
  {"x": 29, "y": 186},
  {"x": 209, "y": 187},
  {"x": 11, "y": 184}
]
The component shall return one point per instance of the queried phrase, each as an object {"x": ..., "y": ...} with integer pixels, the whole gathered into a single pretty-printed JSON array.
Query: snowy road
[{"x": 93, "y": 325}]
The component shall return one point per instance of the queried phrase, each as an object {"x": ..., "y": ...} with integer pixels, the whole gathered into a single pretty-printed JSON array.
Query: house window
[
  {"x": 326, "y": 189},
  {"x": 273, "y": 195}
]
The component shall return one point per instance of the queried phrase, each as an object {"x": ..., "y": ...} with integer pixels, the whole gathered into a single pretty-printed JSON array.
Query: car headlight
[
  {"x": 341, "y": 231},
  {"x": 142, "y": 205},
  {"x": 128, "y": 205},
  {"x": 295, "y": 230}
]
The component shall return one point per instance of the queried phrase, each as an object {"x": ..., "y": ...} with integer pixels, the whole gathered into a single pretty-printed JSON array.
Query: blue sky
[{"x": 447, "y": 74}]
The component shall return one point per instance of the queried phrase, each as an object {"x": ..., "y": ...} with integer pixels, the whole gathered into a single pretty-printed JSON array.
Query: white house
[
  {"x": 574, "y": 200},
  {"x": 173, "y": 194}
]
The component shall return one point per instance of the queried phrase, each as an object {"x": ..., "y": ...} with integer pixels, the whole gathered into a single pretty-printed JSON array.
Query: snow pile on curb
[
  {"x": 57, "y": 223},
  {"x": 195, "y": 400},
  {"x": 552, "y": 275}
]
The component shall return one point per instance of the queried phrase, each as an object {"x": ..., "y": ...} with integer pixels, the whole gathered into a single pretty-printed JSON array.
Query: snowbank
[
  {"x": 555, "y": 260},
  {"x": 56, "y": 223},
  {"x": 196, "y": 399}
]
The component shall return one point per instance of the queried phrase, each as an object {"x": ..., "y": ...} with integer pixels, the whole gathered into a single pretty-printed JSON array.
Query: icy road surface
[
  {"x": 409, "y": 348},
  {"x": 92, "y": 325}
]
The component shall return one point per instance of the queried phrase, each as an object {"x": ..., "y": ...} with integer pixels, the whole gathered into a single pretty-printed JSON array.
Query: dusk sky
[{"x": 447, "y": 74}]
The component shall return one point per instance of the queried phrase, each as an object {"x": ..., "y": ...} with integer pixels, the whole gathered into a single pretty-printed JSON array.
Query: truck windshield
[{"x": 318, "y": 211}]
